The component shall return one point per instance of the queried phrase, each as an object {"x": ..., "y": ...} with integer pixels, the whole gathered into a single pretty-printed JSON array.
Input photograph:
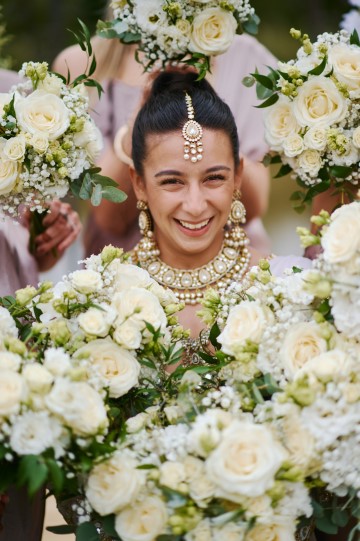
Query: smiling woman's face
[{"x": 189, "y": 202}]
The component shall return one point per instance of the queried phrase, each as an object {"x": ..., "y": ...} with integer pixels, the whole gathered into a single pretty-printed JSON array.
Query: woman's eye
[
  {"x": 170, "y": 181},
  {"x": 215, "y": 177}
]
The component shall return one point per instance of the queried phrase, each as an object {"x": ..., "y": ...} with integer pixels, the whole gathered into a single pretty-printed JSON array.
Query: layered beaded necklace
[{"x": 189, "y": 285}]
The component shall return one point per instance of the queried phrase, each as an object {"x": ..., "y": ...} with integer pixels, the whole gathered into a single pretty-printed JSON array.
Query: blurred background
[{"x": 39, "y": 30}]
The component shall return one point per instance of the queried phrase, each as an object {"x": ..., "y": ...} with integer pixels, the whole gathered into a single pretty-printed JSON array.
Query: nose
[{"x": 195, "y": 202}]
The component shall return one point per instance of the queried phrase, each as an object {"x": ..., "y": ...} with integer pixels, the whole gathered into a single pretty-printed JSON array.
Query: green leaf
[
  {"x": 63, "y": 529},
  {"x": 87, "y": 532},
  {"x": 340, "y": 171},
  {"x": 257, "y": 394},
  {"x": 284, "y": 170},
  {"x": 354, "y": 38},
  {"x": 86, "y": 187},
  {"x": 214, "y": 333},
  {"x": 340, "y": 517},
  {"x": 325, "y": 525},
  {"x": 297, "y": 196},
  {"x": 96, "y": 195},
  {"x": 108, "y": 524},
  {"x": 33, "y": 472},
  {"x": 251, "y": 25},
  {"x": 296, "y": 270},
  {"x": 270, "y": 101},
  {"x": 320, "y": 68},
  {"x": 113, "y": 194},
  {"x": 56, "y": 475},
  {"x": 248, "y": 81},
  {"x": 264, "y": 80}
]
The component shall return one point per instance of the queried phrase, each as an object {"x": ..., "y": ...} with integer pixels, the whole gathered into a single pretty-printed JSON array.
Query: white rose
[
  {"x": 302, "y": 342},
  {"x": 14, "y": 148},
  {"x": 259, "y": 507},
  {"x": 173, "y": 413},
  {"x": 127, "y": 276},
  {"x": 246, "y": 321},
  {"x": 201, "y": 489},
  {"x": 90, "y": 139},
  {"x": 245, "y": 462},
  {"x": 327, "y": 366},
  {"x": 7, "y": 323},
  {"x": 345, "y": 61},
  {"x": 164, "y": 294},
  {"x": 86, "y": 281},
  {"x": 142, "y": 307},
  {"x": 40, "y": 142},
  {"x": 5, "y": 98},
  {"x": 34, "y": 432},
  {"x": 136, "y": 423},
  {"x": 319, "y": 102},
  {"x": 293, "y": 145},
  {"x": 113, "y": 484},
  {"x": 94, "y": 322},
  {"x": 213, "y": 31},
  {"x": 172, "y": 474},
  {"x": 206, "y": 431},
  {"x": 299, "y": 443},
  {"x": 272, "y": 532},
  {"x": 201, "y": 532},
  {"x": 12, "y": 392},
  {"x": 52, "y": 84},
  {"x": 57, "y": 361},
  {"x": 280, "y": 122},
  {"x": 38, "y": 378},
  {"x": 310, "y": 162},
  {"x": 118, "y": 366},
  {"x": 339, "y": 242},
  {"x": 9, "y": 361},
  {"x": 43, "y": 112},
  {"x": 229, "y": 532},
  {"x": 144, "y": 521},
  {"x": 9, "y": 174},
  {"x": 79, "y": 405},
  {"x": 315, "y": 138},
  {"x": 127, "y": 334},
  {"x": 356, "y": 137}
]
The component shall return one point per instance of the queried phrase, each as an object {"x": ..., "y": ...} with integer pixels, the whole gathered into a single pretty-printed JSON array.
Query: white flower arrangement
[
  {"x": 218, "y": 473},
  {"x": 49, "y": 143},
  {"x": 312, "y": 106},
  {"x": 190, "y": 31}
]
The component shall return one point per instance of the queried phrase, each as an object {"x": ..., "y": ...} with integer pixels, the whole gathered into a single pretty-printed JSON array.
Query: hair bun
[{"x": 177, "y": 80}]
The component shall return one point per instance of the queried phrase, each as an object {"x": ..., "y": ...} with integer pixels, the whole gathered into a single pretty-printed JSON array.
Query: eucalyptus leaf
[
  {"x": 248, "y": 81},
  {"x": 325, "y": 525},
  {"x": 340, "y": 517},
  {"x": 113, "y": 194},
  {"x": 86, "y": 187},
  {"x": 96, "y": 195}
]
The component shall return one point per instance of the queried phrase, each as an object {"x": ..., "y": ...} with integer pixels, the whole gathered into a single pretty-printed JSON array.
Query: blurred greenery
[{"x": 38, "y": 28}]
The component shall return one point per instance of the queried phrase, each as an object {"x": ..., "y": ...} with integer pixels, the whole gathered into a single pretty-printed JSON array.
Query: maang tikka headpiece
[{"x": 192, "y": 133}]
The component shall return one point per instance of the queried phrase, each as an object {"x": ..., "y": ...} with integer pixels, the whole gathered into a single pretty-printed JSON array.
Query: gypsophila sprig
[
  {"x": 49, "y": 143},
  {"x": 312, "y": 107},
  {"x": 179, "y": 31}
]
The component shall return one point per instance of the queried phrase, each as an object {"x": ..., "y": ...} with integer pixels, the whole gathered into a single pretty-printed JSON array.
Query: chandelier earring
[
  {"x": 237, "y": 212},
  {"x": 145, "y": 220}
]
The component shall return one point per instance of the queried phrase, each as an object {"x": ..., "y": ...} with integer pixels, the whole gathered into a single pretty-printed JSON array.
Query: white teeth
[{"x": 194, "y": 226}]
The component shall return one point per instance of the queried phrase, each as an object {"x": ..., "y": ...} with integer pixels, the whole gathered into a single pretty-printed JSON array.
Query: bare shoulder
[{"x": 73, "y": 59}]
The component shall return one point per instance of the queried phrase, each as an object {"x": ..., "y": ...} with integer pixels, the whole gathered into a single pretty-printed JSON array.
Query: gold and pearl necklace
[{"x": 189, "y": 285}]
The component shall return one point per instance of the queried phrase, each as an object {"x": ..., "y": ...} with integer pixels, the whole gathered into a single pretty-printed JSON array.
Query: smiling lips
[{"x": 194, "y": 227}]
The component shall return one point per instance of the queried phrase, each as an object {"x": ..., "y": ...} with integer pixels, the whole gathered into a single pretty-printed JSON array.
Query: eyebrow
[{"x": 179, "y": 173}]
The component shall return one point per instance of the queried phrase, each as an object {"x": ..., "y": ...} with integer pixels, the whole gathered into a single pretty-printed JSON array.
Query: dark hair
[{"x": 165, "y": 111}]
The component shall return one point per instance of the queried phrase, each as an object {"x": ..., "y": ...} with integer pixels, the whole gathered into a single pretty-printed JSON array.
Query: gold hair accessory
[
  {"x": 192, "y": 133},
  {"x": 145, "y": 220},
  {"x": 237, "y": 212}
]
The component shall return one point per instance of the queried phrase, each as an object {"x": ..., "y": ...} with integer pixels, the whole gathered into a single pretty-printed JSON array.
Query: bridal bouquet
[
  {"x": 49, "y": 143},
  {"x": 214, "y": 473},
  {"x": 179, "y": 31},
  {"x": 311, "y": 121},
  {"x": 93, "y": 351}
]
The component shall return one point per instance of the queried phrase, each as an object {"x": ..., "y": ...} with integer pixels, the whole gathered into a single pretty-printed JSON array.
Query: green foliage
[{"x": 91, "y": 185}]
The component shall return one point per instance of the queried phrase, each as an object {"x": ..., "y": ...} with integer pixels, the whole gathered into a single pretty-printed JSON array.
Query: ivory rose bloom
[
  {"x": 310, "y": 162},
  {"x": 293, "y": 145},
  {"x": 302, "y": 342},
  {"x": 96, "y": 322},
  {"x": 9, "y": 173},
  {"x": 52, "y": 84},
  {"x": 38, "y": 378},
  {"x": 213, "y": 31},
  {"x": 315, "y": 138},
  {"x": 40, "y": 142},
  {"x": 12, "y": 392},
  {"x": 143, "y": 521},
  {"x": 127, "y": 276},
  {"x": 327, "y": 366},
  {"x": 341, "y": 244},
  {"x": 172, "y": 474},
  {"x": 43, "y": 112},
  {"x": 90, "y": 139},
  {"x": 201, "y": 532},
  {"x": 113, "y": 484},
  {"x": 127, "y": 335},
  {"x": 245, "y": 462},
  {"x": 14, "y": 148},
  {"x": 280, "y": 122},
  {"x": 247, "y": 321},
  {"x": 140, "y": 306},
  {"x": 319, "y": 102},
  {"x": 345, "y": 61},
  {"x": 272, "y": 532},
  {"x": 118, "y": 366},
  {"x": 78, "y": 405},
  {"x": 86, "y": 281},
  {"x": 10, "y": 361}
]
